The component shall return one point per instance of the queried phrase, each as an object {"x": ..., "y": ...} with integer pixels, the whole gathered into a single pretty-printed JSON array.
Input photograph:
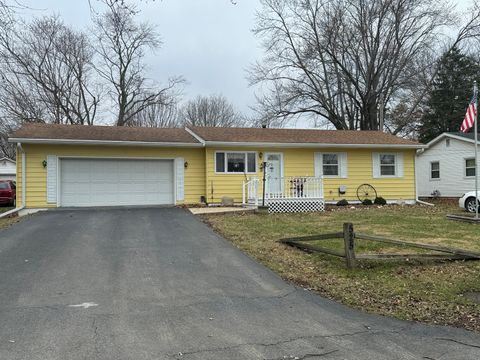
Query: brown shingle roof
[
  {"x": 103, "y": 133},
  {"x": 209, "y": 134},
  {"x": 310, "y": 136}
]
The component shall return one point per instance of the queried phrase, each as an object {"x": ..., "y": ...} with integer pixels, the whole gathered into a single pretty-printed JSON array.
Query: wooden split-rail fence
[{"x": 351, "y": 257}]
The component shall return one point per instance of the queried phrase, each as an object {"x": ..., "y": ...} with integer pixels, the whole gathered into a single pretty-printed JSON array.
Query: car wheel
[{"x": 470, "y": 205}]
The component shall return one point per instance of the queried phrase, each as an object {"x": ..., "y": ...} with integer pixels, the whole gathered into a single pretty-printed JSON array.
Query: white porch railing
[
  {"x": 291, "y": 187},
  {"x": 250, "y": 191}
]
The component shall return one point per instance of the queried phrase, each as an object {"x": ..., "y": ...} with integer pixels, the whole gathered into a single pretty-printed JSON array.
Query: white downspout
[
  {"x": 17, "y": 209},
  {"x": 416, "y": 185}
]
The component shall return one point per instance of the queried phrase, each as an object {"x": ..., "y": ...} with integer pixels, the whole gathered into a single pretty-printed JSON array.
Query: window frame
[
  {"x": 245, "y": 153},
  {"x": 431, "y": 170},
  {"x": 339, "y": 170},
  {"x": 395, "y": 165},
  {"x": 469, "y": 167}
]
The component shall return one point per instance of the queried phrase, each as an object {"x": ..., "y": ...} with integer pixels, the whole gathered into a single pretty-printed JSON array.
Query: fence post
[{"x": 349, "y": 239}]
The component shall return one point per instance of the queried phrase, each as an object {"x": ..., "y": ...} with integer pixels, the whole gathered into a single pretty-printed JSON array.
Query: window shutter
[
  {"x": 51, "y": 179},
  {"x": 399, "y": 162},
  {"x": 180, "y": 178},
  {"x": 343, "y": 166},
  {"x": 318, "y": 164},
  {"x": 376, "y": 165}
]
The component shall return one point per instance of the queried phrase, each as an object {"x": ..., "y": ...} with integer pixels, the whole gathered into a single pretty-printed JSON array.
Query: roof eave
[
  {"x": 452, "y": 136},
  {"x": 314, "y": 145},
  {"x": 209, "y": 143},
  {"x": 8, "y": 159},
  {"x": 104, "y": 142}
]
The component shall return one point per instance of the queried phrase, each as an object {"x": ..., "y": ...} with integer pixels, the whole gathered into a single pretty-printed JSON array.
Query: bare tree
[
  {"x": 6, "y": 149},
  {"x": 121, "y": 46},
  {"x": 160, "y": 115},
  {"x": 214, "y": 110},
  {"x": 337, "y": 59},
  {"x": 47, "y": 74}
]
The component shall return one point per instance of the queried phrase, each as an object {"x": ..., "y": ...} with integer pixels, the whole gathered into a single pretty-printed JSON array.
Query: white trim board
[
  {"x": 452, "y": 136},
  {"x": 196, "y": 136},
  {"x": 104, "y": 142},
  {"x": 203, "y": 143},
  {"x": 8, "y": 159},
  {"x": 312, "y": 145}
]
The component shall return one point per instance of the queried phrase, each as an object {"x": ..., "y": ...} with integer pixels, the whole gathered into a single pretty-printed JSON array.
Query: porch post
[
  {"x": 243, "y": 193},
  {"x": 264, "y": 181}
]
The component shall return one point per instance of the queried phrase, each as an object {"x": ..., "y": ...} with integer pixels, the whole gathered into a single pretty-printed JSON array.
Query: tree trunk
[{"x": 370, "y": 116}]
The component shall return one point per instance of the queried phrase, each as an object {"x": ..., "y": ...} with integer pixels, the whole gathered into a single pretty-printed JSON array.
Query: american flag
[{"x": 470, "y": 116}]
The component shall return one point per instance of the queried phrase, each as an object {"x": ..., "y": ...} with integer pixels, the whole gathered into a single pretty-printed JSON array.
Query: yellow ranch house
[{"x": 289, "y": 169}]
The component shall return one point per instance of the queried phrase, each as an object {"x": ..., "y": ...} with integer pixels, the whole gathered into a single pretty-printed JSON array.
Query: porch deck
[{"x": 286, "y": 194}]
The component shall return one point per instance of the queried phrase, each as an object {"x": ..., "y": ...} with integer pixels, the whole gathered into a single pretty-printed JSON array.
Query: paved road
[{"x": 158, "y": 284}]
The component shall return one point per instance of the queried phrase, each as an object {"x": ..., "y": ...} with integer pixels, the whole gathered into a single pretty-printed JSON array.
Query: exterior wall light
[
  {"x": 44, "y": 163},
  {"x": 185, "y": 165}
]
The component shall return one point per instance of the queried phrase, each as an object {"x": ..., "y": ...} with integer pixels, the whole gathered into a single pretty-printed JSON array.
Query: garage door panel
[{"x": 110, "y": 182}]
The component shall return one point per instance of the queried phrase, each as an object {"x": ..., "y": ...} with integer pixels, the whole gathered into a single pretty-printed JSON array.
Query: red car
[{"x": 8, "y": 191}]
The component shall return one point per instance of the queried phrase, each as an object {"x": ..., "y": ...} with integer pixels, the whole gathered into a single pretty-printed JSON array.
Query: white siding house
[
  {"x": 8, "y": 169},
  {"x": 446, "y": 168}
]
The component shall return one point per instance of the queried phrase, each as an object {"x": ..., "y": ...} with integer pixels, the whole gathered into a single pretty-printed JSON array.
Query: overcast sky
[{"x": 209, "y": 42}]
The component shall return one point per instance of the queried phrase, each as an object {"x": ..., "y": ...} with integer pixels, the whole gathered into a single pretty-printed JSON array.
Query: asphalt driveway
[{"x": 158, "y": 284}]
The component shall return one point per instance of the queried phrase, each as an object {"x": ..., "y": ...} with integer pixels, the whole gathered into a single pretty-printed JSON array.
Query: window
[
  {"x": 235, "y": 162},
  {"x": 447, "y": 142},
  {"x": 4, "y": 186},
  {"x": 469, "y": 167},
  {"x": 435, "y": 170},
  {"x": 387, "y": 165},
  {"x": 330, "y": 165}
]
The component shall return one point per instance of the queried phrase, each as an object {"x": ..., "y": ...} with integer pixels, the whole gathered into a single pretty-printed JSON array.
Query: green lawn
[{"x": 426, "y": 291}]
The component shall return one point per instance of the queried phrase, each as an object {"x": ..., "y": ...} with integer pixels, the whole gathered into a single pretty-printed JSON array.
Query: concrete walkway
[{"x": 219, "y": 210}]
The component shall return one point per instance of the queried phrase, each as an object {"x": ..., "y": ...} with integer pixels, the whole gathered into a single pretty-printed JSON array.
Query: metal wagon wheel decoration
[{"x": 366, "y": 192}]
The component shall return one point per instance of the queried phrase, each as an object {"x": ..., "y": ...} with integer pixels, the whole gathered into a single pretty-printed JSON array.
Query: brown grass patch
[{"x": 426, "y": 291}]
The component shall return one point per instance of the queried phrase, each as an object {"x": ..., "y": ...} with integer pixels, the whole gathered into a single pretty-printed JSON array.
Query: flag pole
[{"x": 475, "y": 93}]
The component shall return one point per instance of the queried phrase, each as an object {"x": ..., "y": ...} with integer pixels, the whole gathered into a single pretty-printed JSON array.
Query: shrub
[
  {"x": 342, "y": 202},
  {"x": 380, "y": 201},
  {"x": 367, "y": 202}
]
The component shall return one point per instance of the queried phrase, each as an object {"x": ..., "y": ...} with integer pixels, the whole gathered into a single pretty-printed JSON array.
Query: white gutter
[
  {"x": 203, "y": 143},
  {"x": 103, "y": 142},
  {"x": 313, "y": 145}
]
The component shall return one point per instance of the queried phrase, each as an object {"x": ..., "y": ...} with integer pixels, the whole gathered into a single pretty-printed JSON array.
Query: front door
[{"x": 274, "y": 174}]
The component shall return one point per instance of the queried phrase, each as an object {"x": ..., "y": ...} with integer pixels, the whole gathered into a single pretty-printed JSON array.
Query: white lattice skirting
[{"x": 295, "y": 205}]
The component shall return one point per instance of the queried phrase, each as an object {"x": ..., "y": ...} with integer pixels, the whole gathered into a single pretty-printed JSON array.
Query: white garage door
[{"x": 107, "y": 182}]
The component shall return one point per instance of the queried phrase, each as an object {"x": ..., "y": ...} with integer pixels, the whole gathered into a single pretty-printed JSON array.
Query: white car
[{"x": 467, "y": 201}]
